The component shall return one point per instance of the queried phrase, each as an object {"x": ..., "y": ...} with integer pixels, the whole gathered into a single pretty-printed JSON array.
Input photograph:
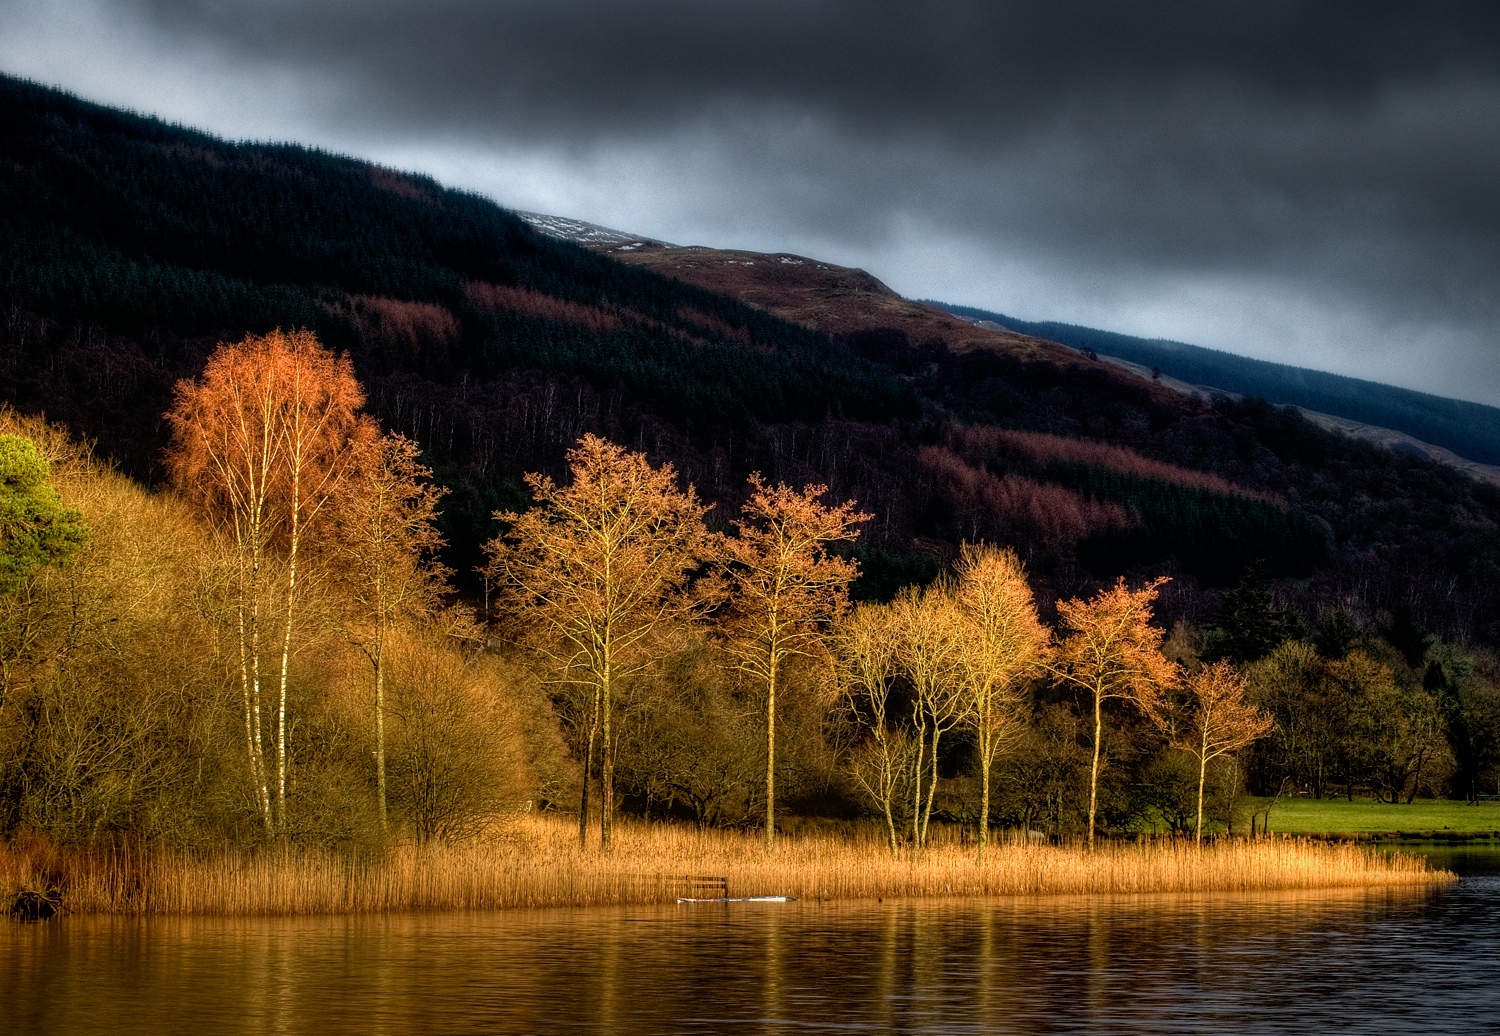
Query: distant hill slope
[
  {"x": 1470, "y": 430},
  {"x": 840, "y": 301}
]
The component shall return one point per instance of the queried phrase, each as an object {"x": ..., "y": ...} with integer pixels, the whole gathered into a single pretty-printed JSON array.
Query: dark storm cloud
[
  {"x": 1181, "y": 132},
  {"x": 978, "y": 71},
  {"x": 1336, "y": 160}
]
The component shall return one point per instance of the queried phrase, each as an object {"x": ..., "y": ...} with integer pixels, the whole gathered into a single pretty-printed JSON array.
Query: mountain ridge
[
  {"x": 1470, "y": 430},
  {"x": 1390, "y": 438}
]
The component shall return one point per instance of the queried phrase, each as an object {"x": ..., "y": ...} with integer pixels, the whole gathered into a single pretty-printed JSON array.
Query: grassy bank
[
  {"x": 535, "y": 862},
  {"x": 1438, "y": 819}
]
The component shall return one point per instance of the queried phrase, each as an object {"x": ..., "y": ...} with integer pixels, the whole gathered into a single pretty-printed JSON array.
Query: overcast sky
[{"x": 1312, "y": 183}]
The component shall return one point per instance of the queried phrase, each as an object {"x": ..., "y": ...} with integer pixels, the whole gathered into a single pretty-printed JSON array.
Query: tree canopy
[{"x": 35, "y": 528}]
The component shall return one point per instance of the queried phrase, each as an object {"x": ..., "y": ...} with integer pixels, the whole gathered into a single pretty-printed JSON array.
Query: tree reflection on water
[{"x": 1390, "y": 960}]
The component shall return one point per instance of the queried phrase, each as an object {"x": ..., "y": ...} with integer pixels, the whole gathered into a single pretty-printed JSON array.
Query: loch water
[{"x": 1409, "y": 961}]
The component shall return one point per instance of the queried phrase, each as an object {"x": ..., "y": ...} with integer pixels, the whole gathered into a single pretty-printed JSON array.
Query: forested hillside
[
  {"x": 1470, "y": 430},
  {"x": 129, "y": 248}
]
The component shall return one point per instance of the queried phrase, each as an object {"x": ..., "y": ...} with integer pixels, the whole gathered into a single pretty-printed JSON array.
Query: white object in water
[{"x": 739, "y": 899}]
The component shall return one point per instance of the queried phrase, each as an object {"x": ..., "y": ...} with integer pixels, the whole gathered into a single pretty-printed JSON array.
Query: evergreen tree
[
  {"x": 35, "y": 528},
  {"x": 1406, "y": 635},
  {"x": 1337, "y": 634},
  {"x": 1249, "y": 626}
]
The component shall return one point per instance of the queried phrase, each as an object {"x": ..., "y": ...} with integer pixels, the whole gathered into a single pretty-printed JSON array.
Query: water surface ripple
[{"x": 1361, "y": 962}]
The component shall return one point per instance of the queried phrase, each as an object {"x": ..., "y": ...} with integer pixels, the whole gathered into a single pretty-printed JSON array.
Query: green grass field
[{"x": 1339, "y": 816}]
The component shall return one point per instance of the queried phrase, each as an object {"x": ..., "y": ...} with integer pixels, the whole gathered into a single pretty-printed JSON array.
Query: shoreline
[
  {"x": 1397, "y": 837},
  {"x": 534, "y": 862}
]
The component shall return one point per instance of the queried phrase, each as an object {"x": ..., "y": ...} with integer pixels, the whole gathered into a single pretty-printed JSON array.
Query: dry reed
[{"x": 535, "y": 862}]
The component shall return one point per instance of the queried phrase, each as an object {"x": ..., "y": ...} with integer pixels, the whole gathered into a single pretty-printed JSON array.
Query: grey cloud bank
[{"x": 1312, "y": 183}]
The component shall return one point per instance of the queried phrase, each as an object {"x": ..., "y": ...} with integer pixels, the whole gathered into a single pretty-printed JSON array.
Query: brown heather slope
[
  {"x": 833, "y": 299},
  {"x": 840, "y": 301}
]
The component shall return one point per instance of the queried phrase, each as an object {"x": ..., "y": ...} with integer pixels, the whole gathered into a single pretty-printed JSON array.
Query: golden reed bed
[{"x": 535, "y": 862}]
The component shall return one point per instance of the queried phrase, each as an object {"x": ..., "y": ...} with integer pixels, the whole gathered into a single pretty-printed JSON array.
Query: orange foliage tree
[
  {"x": 785, "y": 589},
  {"x": 262, "y": 440},
  {"x": 1220, "y": 720},
  {"x": 1113, "y": 652},
  {"x": 592, "y": 572},
  {"x": 385, "y": 540},
  {"x": 1004, "y": 643}
]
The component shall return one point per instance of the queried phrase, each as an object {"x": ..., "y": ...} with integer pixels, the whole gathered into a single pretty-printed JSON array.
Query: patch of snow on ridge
[{"x": 579, "y": 232}]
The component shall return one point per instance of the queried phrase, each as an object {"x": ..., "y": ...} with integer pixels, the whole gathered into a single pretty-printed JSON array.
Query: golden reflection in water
[
  {"x": 607, "y": 994},
  {"x": 988, "y": 982},
  {"x": 996, "y": 966},
  {"x": 885, "y": 936},
  {"x": 772, "y": 978}
]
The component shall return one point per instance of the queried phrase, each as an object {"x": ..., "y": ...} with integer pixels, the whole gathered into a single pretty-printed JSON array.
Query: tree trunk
[
  {"x": 607, "y": 765},
  {"x": 380, "y": 722},
  {"x": 249, "y": 722},
  {"x": 890, "y": 821},
  {"x": 916, "y": 782},
  {"x": 588, "y": 775},
  {"x": 937, "y": 732},
  {"x": 1094, "y": 770},
  {"x": 887, "y": 779},
  {"x": 1202, "y": 776},
  {"x": 286, "y": 661},
  {"x": 986, "y": 756},
  {"x": 257, "y": 747},
  {"x": 245, "y": 684},
  {"x": 1416, "y": 777},
  {"x": 770, "y": 838}
]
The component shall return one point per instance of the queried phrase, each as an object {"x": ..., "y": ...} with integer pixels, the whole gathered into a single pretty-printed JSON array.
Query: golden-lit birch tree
[
  {"x": 1003, "y": 645},
  {"x": 385, "y": 541},
  {"x": 1219, "y": 720},
  {"x": 930, "y": 648},
  {"x": 1113, "y": 652},
  {"x": 785, "y": 588},
  {"x": 261, "y": 441},
  {"x": 865, "y": 650},
  {"x": 592, "y": 571}
]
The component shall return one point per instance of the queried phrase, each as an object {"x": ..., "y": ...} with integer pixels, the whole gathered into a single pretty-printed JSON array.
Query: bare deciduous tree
[
  {"x": 1004, "y": 643},
  {"x": 1220, "y": 721},
  {"x": 592, "y": 571},
  {"x": 785, "y": 588},
  {"x": 385, "y": 539},
  {"x": 1113, "y": 652},
  {"x": 865, "y": 650},
  {"x": 929, "y": 636}
]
